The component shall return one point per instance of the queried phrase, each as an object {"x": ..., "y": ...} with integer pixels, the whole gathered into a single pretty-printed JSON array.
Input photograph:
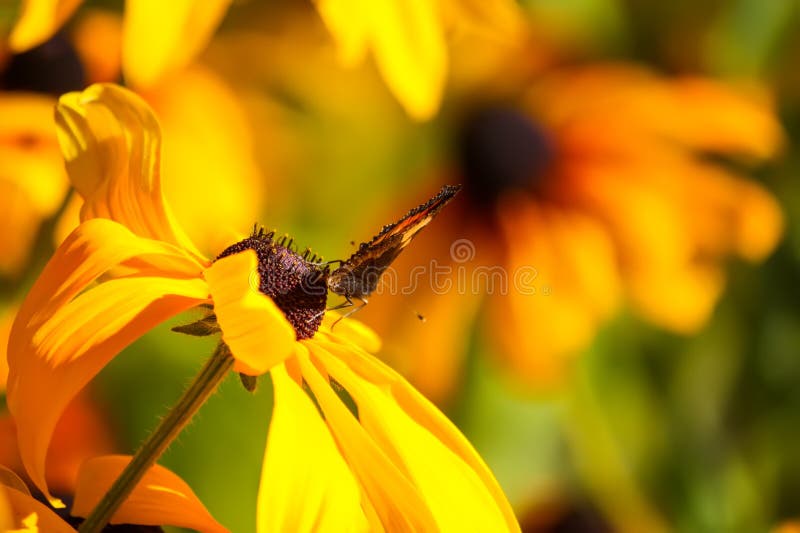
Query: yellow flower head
[{"x": 351, "y": 443}]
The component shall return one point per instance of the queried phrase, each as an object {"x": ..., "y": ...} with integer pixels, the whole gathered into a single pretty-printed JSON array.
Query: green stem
[{"x": 171, "y": 425}]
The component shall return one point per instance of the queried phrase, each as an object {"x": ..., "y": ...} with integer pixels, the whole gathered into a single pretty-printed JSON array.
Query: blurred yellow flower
[
  {"x": 593, "y": 187},
  {"x": 129, "y": 266},
  {"x": 161, "y": 498},
  {"x": 32, "y": 179},
  {"x": 408, "y": 40},
  {"x": 159, "y": 37}
]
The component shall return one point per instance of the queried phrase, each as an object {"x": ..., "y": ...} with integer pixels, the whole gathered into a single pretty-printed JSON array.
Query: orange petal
[
  {"x": 163, "y": 36},
  {"x": 450, "y": 487},
  {"x": 9, "y": 479},
  {"x": 6, "y": 319},
  {"x": 395, "y": 500},
  {"x": 160, "y": 498},
  {"x": 61, "y": 338},
  {"x": 305, "y": 483},
  {"x": 38, "y": 21},
  {"x": 424, "y": 413},
  {"x": 20, "y": 513},
  {"x": 112, "y": 142},
  {"x": 256, "y": 331},
  {"x": 565, "y": 281}
]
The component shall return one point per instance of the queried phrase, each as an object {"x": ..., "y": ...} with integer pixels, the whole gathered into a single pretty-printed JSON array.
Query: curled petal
[
  {"x": 38, "y": 21},
  {"x": 305, "y": 483},
  {"x": 455, "y": 492},
  {"x": 256, "y": 331},
  {"x": 112, "y": 142},
  {"x": 62, "y": 337},
  {"x": 162, "y": 36},
  {"x": 160, "y": 498}
]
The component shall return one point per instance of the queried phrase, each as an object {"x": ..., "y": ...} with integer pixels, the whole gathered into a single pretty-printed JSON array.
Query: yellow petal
[
  {"x": 396, "y": 501},
  {"x": 256, "y": 331},
  {"x": 19, "y": 513},
  {"x": 424, "y": 413},
  {"x": 455, "y": 493},
  {"x": 163, "y": 36},
  {"x": 305, "y": 483},
  {"x": 348, "y": 23},
  {"x": 160, "y": 498},
  {"x": 112, "y": 142},
  {"x": 62, "y": 337},
  {"x": 354, "y": 331},
  {"x": 408, "y": 42},
  {"x": 38, "y": 21}
]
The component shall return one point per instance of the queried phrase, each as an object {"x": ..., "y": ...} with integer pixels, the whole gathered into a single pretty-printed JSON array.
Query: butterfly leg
[
  {"x": 345, "y": 304},
  {"x": 364, "y": 303}
]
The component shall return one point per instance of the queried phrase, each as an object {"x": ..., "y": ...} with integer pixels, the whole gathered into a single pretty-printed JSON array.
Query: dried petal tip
[{"x": 296, "y": 284}]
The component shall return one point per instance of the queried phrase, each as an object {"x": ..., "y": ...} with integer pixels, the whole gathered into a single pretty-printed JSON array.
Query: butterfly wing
[{"x": 359, "y": 275}]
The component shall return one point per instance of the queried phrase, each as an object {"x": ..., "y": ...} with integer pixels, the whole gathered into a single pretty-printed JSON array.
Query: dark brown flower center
[
  {"x": 296, "y": 285},
  {"x": 52, "y": 68},
  {"x": 502, "y": 149}
]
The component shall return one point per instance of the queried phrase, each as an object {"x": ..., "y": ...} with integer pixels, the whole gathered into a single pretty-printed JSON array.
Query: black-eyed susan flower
[
  {"x": 351, "y": 444},
  {"x": 594, "y": 186},
  {"x": 161, "y": 499}
]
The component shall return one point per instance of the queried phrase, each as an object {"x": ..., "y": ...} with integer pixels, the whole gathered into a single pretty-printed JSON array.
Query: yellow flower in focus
[
  {"x": 159, "y": 37},
  {"x": 352, "y": 445},
  {"x": 160, "y": 498},
  {"x": 408, "y": 40},
  {"x": 592, "y": 188}
]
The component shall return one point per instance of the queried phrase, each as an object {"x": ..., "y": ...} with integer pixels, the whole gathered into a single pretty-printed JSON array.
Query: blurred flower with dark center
[
  {"x": 32, "y": 179},
  {"x": 351, "y": 444},
  {"x": 593, "y": 186}
]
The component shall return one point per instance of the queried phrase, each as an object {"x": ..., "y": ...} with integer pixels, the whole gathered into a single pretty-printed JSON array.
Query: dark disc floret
[{"x": 296, "y": 284}]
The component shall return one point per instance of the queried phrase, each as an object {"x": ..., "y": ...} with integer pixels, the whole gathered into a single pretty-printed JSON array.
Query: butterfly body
[{"x": 358, "y": 276}]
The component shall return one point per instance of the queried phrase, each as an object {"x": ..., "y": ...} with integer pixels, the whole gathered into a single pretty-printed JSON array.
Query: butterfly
[{"x": 358, "y": 276}]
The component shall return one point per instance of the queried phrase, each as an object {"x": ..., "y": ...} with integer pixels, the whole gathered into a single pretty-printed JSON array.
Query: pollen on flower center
[
  {"x": 502, "y": 149},
  {"x": 296, "y": 285}
]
